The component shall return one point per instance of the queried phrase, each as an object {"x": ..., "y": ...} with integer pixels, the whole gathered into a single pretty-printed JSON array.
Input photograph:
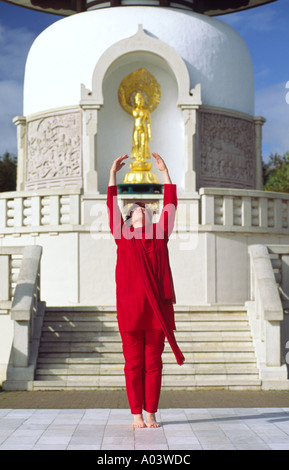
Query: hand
[
  {"x": 118, "y": 164},
  {"x": 159, "y": 162}
]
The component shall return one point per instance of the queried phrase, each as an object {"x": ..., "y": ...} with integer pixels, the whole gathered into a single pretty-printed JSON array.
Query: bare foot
[
  {"x": 151, "y": 421},
  {"x": 138, "y": 421}
]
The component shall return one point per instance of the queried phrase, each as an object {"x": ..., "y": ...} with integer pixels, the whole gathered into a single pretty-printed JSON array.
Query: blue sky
[
  {"x": 264, "y": 29},
  {"x": 266, "y": 33}
]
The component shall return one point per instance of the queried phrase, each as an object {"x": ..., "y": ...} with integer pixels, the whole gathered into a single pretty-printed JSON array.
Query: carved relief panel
[
  {"x": 54, "y": 151},
  {"x": 226, "y": 151}
]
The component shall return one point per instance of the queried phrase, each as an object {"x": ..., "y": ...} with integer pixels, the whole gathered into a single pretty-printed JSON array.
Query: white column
[
  {"x": 35, "y": 211},
  {"x": 228, "y": 217},
  {"x": 263, "y": 212},
  {"x": 20, "y": 122},
  {"x": 208, "y": 209},
  {"x": 259, "y": 122},
  {"x": 190, "y": 140},
  {"x": 90, "y": 118},
  {"x": 18, "y": 212},
  {"x": 246, "y": 212},
  {"x": 74, "y": 209},
  {"x": 54, "y": 214}
]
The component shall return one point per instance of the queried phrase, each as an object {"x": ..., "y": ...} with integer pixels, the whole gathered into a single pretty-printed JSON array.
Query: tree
[
  {"x": 8, "y": 172},
  {"x": 276, "y": 173}
]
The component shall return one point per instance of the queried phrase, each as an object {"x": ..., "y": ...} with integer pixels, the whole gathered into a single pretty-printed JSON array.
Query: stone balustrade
[
  {"x": 45, "y": 209},
  {"x": 212, "y": 228},
  {"x": 279, "y": 255},
  {"x": 265, "y": 313},
  {"x": 245, "y": 210},
  {"x": 211, "y": 208},
  {"x": 27, "y": 313},
  {"x": 10, "y": 262}
]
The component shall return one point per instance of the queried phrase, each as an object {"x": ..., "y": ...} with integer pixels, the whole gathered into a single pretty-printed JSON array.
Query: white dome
[{"x": 65, "y": 54}]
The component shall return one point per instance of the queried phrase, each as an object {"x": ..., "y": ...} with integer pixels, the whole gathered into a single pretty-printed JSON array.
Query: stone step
[
  {"x": 183, "y": 383},
  {"x": 51, "y": 313},
  {"x": 209, "y": 311},
  {"x": 108, "y": 336},
  {"x": 77, "y": 317},
  {"x": 168, "y": 369},
  {"x": 215, "y": 381},
  {"x": 111, "y": 317},
  {"x": 180, "y": 380},
  {"x": 82, "y": 349},
  {"x": 79, "y": 326},
  {"x": 55, "y": 360},
  {"x": 229, "y": 346},
  {"x": 217, "y": 308}
]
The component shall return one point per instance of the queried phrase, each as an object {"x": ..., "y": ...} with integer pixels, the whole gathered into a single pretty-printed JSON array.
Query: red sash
[{"x": 154, "y": 297}]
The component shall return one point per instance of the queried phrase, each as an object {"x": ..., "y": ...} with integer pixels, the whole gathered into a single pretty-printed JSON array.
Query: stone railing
[
  {"x": 279, "y": 255},
  {"x": 44, "y": 210},
  {"x": 27, "y": 312},
  {"x": 10, "y": 262},
  {"x": 243, "y": 210},
  {"x": 265, "y": 313},
  {"x": 220, "y": 210}
]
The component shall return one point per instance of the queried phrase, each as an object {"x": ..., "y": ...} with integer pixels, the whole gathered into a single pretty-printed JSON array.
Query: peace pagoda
[{"x": 136, "y": 77}]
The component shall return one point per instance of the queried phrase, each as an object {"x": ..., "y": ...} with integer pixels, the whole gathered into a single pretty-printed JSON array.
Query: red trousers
[{"x": 142, "y": 350}]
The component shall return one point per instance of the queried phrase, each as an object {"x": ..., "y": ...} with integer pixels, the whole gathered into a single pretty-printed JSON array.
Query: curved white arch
[{"x": 140, "y": 42}]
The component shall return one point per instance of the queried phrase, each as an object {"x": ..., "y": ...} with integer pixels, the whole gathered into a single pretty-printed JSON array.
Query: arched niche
[
  {"x": 109, "y": 128},
  {"x": 115, "y": 126}
]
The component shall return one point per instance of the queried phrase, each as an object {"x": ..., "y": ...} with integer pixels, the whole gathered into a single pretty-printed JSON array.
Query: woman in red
[{"x": 144, "y": 293}]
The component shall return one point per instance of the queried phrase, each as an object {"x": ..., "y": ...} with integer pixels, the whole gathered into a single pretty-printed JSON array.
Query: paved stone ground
[
  {"x": 110, "y": 429},
  {"x": 211, "y": 420}
]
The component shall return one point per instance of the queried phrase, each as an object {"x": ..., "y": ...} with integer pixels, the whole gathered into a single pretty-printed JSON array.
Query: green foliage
[
  {"x": 8, "y": 172},
  {"x": 276, "y": 173}
]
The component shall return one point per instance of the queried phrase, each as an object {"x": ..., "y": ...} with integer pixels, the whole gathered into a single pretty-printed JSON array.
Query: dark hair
[{"x": 133, "y": 208}]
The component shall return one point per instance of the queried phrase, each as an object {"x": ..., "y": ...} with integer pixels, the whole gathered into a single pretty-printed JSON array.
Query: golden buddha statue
[
  {"x": 139, "y": 95},
  {"x": 142, "y": 130}
]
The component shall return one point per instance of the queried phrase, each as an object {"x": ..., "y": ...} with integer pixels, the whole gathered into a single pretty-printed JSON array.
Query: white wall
[{"x": 65, "y": 54}]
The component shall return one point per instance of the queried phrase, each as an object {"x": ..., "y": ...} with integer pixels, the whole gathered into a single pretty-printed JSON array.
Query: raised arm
[
  {"x": 116, "y": 166},
  {"x": 162, "y": 167},
  {"x": 167, "y": 218},
  {"x": 114, "y": 213}
]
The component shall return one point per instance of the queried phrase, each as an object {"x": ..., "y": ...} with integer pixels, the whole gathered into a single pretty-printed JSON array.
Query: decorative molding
[
  {"x": 141, "y": 42},
  {"x": 226, "y": 151},
  {"x": 54, "y": 151}
]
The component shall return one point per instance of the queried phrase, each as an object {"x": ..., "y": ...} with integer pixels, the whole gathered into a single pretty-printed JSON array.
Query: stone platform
[{"x": 101, "y": 421}]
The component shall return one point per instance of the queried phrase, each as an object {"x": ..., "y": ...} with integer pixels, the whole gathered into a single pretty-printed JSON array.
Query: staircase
[{"x": 81, "y": 349}]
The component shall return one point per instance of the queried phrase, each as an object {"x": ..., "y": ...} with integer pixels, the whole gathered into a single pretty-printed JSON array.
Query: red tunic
[{"x": 144, "y": 285}]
